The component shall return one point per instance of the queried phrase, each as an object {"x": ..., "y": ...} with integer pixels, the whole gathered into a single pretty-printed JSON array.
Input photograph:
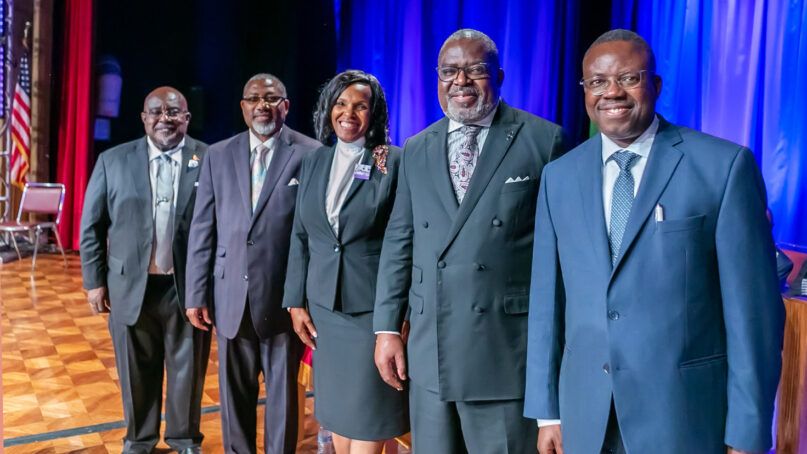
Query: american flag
[{"x": 21, "y": 124}]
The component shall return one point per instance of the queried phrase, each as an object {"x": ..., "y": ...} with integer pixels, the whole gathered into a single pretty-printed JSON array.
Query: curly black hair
[{"x": 378, "y": 131}]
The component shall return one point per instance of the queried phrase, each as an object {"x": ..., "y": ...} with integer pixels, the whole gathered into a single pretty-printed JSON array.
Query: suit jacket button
[
  {"x": 246, "y": 278},
  {"x": 479, "y": 266},
  {"x": 337, "y": 247},
  {"x": 425, "y": 224},
  {"x": 613, "y": 315},
  {"x": 478, "y": 309},
  {"x": 497, "y": 223},
  {"x": 250, "y": 242},
  {"x": 441, "y": 264},
  {"x": 606, "y": 368}
]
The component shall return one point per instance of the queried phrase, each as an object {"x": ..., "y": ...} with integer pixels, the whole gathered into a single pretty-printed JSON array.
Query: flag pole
[{"x": 5, "y": 155}]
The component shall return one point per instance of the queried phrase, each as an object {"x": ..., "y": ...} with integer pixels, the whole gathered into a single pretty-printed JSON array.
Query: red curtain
[{"x": 75, "y": 115}]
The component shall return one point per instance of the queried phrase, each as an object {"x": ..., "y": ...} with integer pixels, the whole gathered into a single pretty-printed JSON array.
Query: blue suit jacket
[{"x": 685, "y": 331}]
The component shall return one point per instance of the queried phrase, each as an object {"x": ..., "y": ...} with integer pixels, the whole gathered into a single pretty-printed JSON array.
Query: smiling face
[
  {"x": 165, "y": 117},
  {"x": 350, "y": 115},
  {"x": 263, "y": 118},
  {"x": 622, "y": 115},
  {"x": 462, "y": 99}
]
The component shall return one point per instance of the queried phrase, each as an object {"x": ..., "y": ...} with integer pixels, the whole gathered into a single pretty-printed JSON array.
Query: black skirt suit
[{"x": 334, "y": 276}]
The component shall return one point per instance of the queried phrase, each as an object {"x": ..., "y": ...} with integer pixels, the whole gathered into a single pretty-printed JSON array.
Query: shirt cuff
[
  {"x": 548, "y": 422},
  {"x": 388, "y": 332}
]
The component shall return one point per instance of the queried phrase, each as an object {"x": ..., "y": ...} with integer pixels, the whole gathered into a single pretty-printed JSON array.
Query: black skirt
[{"x": 350, "y": 398}]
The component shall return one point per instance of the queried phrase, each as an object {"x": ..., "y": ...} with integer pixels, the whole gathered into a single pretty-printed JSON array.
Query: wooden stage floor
[{"x": 59, "y": 383}]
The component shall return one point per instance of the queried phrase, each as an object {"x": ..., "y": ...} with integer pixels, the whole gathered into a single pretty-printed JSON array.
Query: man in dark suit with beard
[
  {"x": 457, "y": 251},
  {"x": 238, "y": 249}
]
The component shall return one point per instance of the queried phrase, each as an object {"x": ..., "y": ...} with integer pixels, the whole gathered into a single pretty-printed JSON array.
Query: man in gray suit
[
  {"x": 457, "y": 251},
  {"x": 134, "y": 237},
  {"x": 238, "y": 249}
]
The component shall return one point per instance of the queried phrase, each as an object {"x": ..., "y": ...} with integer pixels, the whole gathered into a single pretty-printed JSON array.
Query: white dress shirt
[
  {"x": 176, "y": 160},
  {"x": 270, "y": 143},
  {"x": 610, "y": 171},
  {"x": 345, "y": 157}
]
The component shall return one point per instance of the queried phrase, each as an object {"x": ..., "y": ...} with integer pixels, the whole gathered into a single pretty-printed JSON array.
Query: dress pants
[
  {"x": 479, "y": 427},
  {"x": 613, "y": 437},
  {"x": 241, "y": 360},
  {"x": 160, "y": 340}
]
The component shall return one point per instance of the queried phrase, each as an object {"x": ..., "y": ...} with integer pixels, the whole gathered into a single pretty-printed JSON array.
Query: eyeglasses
[
  {"x": 473, "y": 72},
  {"x": 627, "y": 80},
  {"x": 272, "y": 100},
  {"x": 171, "y": 114}
]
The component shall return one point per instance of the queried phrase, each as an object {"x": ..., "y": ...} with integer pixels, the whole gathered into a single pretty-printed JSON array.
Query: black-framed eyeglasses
[
  {"x": 272, "y": 100},
  {"x": 627, "y": 80},
  {"x": 171, "y": 114},
  {"x": 473, "y": 72}
]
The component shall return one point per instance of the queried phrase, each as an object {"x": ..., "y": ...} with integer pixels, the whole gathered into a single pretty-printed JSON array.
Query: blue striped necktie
[
  {"x": 258, "y": 172},
  {"x": 621, "y": 200}
]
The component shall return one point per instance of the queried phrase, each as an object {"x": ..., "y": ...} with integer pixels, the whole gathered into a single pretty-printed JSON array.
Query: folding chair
[{"x": 40, "y": 198}]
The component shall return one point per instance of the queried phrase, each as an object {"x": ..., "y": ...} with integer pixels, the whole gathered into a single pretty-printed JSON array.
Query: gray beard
[
  {"x": 264, "y": 129},
  {"x": 468, "y": 116}
]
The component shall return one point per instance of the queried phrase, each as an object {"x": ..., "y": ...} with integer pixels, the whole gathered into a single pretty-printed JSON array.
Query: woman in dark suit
[{"x": 344, "y": 201}]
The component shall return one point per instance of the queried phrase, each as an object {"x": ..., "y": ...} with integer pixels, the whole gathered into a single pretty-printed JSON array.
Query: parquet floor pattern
[{"x": 58, "y": 366}]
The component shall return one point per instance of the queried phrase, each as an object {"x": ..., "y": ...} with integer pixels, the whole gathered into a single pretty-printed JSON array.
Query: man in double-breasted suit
[
  {"x": 655, "y": 319},
  {"x": 457, "y": 252},
  {"x": 238, "y": 249},
  {"x": 134, "y": 236}
]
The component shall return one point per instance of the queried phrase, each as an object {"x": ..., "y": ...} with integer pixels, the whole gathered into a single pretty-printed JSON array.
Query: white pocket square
[
  {"x": 517, "y": 179},
  {"x": 195, "y": 184},
  {"x": 293, "y": 182}
]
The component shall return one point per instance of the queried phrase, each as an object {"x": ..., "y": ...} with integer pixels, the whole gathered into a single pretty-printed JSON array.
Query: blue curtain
[
  {"x": 399, "y": 41},
  {"x": 737, "y": 69}
]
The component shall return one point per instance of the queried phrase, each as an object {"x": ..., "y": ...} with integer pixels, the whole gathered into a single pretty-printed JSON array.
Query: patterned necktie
[
  {"x": 257, "y": 164},
  {"x": 163, "y": 219},
  {"x": 621, "y": 199},
  {"x": 462, "y": 160}
]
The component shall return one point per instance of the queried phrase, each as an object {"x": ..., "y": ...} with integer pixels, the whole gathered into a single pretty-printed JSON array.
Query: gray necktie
[
  {"x": 163, "y": 219},
  {"x": 257, "y": 166},
  {"x": 462, "y": 160},
  {"x": 621, "y": 200}
]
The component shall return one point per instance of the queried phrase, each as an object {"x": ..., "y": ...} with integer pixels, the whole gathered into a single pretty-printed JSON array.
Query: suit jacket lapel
[
  {"x": 661, "y": 164},
  {"x": 320, "y": 173},
  {"x": 437, "y": 153},
  {"x": 138, "y": 162},
  {"x": 283, "y": 151},
  {"x": 501, "y": 136},
  {"x": 240, "y": 156},
  {"x": 366, "y": 158},
  {"x": 590, "y": 165},
  {"x": 187, "y": 176}
]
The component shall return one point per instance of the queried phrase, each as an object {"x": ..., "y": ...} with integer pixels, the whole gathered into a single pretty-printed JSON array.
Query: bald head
[{"x": 165, "y": 117}]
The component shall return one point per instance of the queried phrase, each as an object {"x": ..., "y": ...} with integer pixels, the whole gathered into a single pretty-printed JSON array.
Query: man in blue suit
[{"x": 655, "y": 321}]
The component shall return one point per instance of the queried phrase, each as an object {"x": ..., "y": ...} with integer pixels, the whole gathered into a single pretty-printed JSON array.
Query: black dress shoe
[{"x": 191, "y": 450}]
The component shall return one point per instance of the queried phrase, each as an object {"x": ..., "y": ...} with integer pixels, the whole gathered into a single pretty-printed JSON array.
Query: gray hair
[
  {"x": 468, "y": 33},
  {"x": 620, "y": 34},
  {"x": 264, "y": 76}
]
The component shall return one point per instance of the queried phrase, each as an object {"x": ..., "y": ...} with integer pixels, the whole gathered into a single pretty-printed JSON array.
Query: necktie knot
[
  {"x": 259, "y": 154},
  {"x": 624, "y": 159},
  {"x": 470, "y": 131}
]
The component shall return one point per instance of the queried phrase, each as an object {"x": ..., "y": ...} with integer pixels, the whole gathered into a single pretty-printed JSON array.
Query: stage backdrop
[
  {"x": 399, "y": 41},
  {"x": 733, "y": 68},
  {"x": 737, "y": 69}
]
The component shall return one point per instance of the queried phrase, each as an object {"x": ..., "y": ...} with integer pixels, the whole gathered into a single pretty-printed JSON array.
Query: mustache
[{"x": 462, "y": 91}]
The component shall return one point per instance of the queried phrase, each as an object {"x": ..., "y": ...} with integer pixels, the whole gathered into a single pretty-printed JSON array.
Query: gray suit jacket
[
  {"x": 325, "y": 269},
  {"x": 237, "y": 255},
  {"x": 465, "y": 270},
  {"x": 118, "y": 206}
]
